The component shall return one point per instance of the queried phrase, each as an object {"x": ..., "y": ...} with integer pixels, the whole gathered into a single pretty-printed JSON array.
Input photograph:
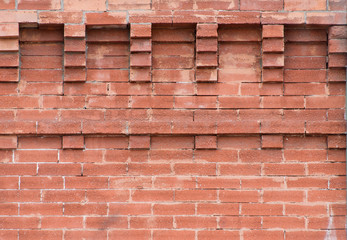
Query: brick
[
  {"x": 139, "y": 142},
  {"x": 8, "y": 5},
  {"x": 41, "y": 209},
  {"x": 9, "y": 45},
  {"x": 150, "y": 16},
  {"x": 238, "y": 17},
  {"x": 337, "y": 32},
  {"x": 151, "y": 222},
  {"x": 8, "y": 142},
  {"x": 78, "y": 31},
  {"x": 98, "y": 5},
  {"x": 273, "y": 60},
  {"x": 325, "y": 18},
  {"x": 134, "y": 234},
  {"x": 105, "y": 18},
  {"x": 273, "y": 31},
  {"x": 283, "y": 18},
  {"x": 192, "y": 222},
  {"x": 272, "y": 141},
  {"x": 9, "y": 75},
  {"x": 273, "y": 45},
  {"x": 205, "y": 142},
  {"x": 128, "y": 5},
  {"x": 74, "y": 142},
  {"x": 207, "y": 30},
  {"x": 294, "y": 5},
  {"x": 9, "y": 30},
  {"x": 39, "y": 5},
  {"x": 220, "y": 234},
  {"x": 173, "y": 234},
  {"x": 261, "y": 5},
  {"x": 337, "y": 45},
  {"x": 337, "y": 141},
  {"x": 56, "y": 17},
  {"x": 140, "y": 30}
]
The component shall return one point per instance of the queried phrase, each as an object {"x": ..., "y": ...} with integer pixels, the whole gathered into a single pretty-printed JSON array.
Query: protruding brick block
[
  {"x": 74, "y": 57},
  {"x": 9, "y": 52},
  {"x": 140, "y": 52},
  {"x": 272, "y": 141},
  {"x": 139, "y": 142},
  {"x": 206, "y": 142},
  {"x": 206, "y": 52},
  {"x": 73, "y": 142}
]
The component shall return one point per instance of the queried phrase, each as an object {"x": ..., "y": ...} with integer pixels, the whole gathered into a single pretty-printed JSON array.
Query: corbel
[
  {"x": 337, "y": 61},
  {"x": 140, "y": 52},
  {"x": 9, "y": 52},
  {"x": 273, "y": 53},
  {"x": 206, "y": 52},
  {"x": 74, "y": 53}
]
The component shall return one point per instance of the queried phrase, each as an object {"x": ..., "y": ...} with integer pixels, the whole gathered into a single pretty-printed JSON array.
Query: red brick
[
  {"x": 57, "y": 17},
  {"x": 325, "y": 18},
  {"x": 152, "y": 195},
  {"x": 239, "y": 196},
  {"x": 151, "y": 222},
  {"x": 283, "y": 18},
  {"x": 240, "y": 222},
  {"x": 196, "y": 222},
  {"x": 273, "y": 31},
  {"x": 338, "y": 32},
  {"x": 19, "y": 222},
  {"x": 261, "y": 5},
  {"x": 220, "y": 234},
  {"x": 74, "y": 31},
  {"x": 139, "y": 142},
  {"x": 42, "y": 182},
  {"x": 310, "y": 5},
  {"x": 41, "y": 209},
  {"x": 174, "y": 182},
  {"x": 129, "y": 209},
  {"x": 39, "y": 5},
  {"x": 272, "y": 141},
  {"x": 80, "y": 234},
  {"x": 104, "y": 196},
  {"x": 263, "y": 234},
  {"x": 41, "y": 234},
  {"x": 174, "y": 209},
  {"x": 173, "y": 234},
  {"x": 8, "y": 5},
  {"x": 261, "y": 209},
  {"x": 105, "y": 18},
  {"x": 98, "y": 5},
  {"x": 8, "y": 142},
  {"x": 132, "y": 234}
]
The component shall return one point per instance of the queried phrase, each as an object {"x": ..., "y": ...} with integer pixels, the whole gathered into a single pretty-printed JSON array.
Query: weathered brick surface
[{"x": 172, "y": 119}]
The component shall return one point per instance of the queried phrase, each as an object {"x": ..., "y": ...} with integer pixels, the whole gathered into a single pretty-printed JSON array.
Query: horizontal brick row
[
  {"x": 166, "y": 16},
  {"x": 180, "y": 142},
  {"x": 151, "y": 127}
]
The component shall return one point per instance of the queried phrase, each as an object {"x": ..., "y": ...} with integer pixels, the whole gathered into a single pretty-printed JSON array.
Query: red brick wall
[{"x": 173, "y": 119}]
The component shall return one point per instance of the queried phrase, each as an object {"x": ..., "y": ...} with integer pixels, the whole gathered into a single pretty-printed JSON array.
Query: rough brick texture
[{"x": 180, "y": 119}]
